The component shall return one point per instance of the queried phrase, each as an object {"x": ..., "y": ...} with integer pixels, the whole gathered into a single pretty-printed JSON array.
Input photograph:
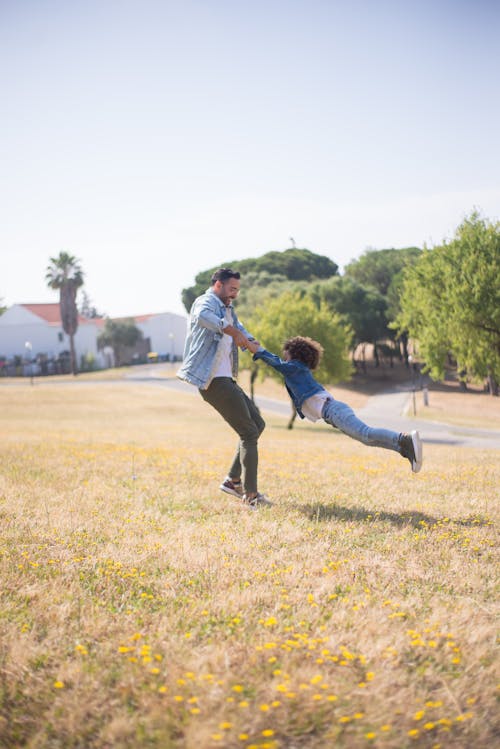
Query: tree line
[{"x": 446, "y": 299}]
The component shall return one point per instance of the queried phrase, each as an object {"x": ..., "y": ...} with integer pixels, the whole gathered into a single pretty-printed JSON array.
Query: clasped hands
[
  {"x": 241, "y": 340},
  {"x": 253, "y": 346}
]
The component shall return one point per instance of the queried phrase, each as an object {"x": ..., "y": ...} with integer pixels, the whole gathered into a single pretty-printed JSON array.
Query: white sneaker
[
  {"x": 410, "y": 446},
  {"x": 259, "y": 501}
]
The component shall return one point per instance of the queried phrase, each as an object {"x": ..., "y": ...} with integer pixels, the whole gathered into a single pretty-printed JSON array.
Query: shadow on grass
[{"x": 321, "y": 512}]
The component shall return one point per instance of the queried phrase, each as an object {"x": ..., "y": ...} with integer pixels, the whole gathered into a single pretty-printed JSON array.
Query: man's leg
[
  {"x": 236, "y": 469},
  {"x": 243, "y": 416}
]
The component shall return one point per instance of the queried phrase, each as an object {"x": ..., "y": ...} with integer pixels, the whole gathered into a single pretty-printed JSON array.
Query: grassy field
[
  {"x": 473, "y": 409},
  {"x": 141, "y": 607}
]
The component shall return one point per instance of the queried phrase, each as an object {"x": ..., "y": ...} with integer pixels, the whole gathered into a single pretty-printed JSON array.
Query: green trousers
[{"x": 226, "y": 396}]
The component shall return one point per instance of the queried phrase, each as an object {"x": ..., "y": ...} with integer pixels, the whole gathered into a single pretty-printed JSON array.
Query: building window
[{"x": 60, "y": 337}]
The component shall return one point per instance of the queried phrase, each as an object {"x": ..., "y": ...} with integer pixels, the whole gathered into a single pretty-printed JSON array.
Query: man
[{"x": 210, "y": 362}]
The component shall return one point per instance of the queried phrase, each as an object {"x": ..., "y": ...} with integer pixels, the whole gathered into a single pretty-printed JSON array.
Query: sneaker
[
  {"x": 259, "y": 501},
  {"x": 410, "y": 446},
  {"x": 230, "y": 487}
]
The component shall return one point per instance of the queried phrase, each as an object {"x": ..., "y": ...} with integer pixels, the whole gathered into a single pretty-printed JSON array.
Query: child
[{"x": 311, "y": 400}]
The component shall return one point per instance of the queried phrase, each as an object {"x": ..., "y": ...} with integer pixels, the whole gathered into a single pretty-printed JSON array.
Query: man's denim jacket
[
  {"x": 298, "y": 377},
  {"x": 206, "y": 320}
]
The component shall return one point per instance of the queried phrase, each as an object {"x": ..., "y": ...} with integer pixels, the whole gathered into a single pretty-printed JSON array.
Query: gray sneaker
[
  {"x": 230, "y": 487},
  {"x": 259, "y": 501},
  {"x": 410, "y": 446}
]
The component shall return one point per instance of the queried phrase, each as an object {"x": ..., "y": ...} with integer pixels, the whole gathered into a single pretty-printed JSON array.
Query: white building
[
  {"x": 166, "y": 332},
  {"x": 31, "y": 330}
]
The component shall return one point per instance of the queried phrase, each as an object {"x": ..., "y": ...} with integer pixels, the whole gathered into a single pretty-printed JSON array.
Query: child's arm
[{"x": 274, "y": 361}]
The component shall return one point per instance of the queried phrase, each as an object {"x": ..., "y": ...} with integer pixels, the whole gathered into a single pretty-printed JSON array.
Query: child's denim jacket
[
  {"x": 298, "y": 377},
  {"x": 206, "y": 320}
]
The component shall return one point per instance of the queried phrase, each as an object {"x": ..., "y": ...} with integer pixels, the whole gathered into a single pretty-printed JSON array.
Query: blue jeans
[{"x": 340, "y": 415}]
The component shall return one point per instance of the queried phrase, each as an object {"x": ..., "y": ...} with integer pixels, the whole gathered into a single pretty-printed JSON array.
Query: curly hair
[{"x": 304, "y": 349}]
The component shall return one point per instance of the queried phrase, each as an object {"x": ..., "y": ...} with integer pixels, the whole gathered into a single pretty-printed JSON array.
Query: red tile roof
[
  {"x": 142, "y": 318},
  {"x": 51, "y": 313},
  {"x": 48, "y": 312}
]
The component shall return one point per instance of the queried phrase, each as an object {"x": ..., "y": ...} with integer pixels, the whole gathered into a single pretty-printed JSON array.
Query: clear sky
[{"x": 154, "y": 139}]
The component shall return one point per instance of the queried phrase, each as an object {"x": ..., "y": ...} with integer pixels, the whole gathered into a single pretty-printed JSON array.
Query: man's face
[{"x": 228, "y": 290}]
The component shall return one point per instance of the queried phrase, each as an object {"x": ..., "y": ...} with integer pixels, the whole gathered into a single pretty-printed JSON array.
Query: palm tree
[{"x": 64, "y": 273}]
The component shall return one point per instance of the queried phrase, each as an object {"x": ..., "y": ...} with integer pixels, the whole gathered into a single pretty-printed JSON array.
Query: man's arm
[
  {"x": 237, "y": 335},
  {"x": 204, "y": 313}
]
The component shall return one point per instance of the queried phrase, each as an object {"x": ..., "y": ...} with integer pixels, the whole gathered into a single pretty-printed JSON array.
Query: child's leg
[{"x": 340, "y": 415}]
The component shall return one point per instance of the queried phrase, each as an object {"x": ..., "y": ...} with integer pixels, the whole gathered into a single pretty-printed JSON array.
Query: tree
[
  {"x": 451, "y": 302},
  {"x": 294, "y": 314},
  {"x": 65, "y": 273},
  {"x": 119, "y": 334},
  {"x": 362, "y": 308},
  {"x": 87, "y": 308},
  {"x": 377, "y": 268},
  {"x": 258, "y": 287},
  {"x": 383, "y": 270},
  {"x": 2, "y": 307},
  {"x": 293, "y": 264}
]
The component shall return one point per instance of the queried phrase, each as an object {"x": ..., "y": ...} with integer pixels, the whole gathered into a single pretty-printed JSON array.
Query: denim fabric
[
  {"x": 243, "y": 416},
  {"x": 340, "y": 415},
  {"x": 298, "y": 378},
  {"x": 301, "y": 384},
  {"x": 206, "y": 320}
]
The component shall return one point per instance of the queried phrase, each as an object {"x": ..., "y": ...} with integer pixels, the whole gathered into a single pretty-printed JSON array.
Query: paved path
[
  {"x": 390, "y": 410},
  {"x": 394, "y": 410}
]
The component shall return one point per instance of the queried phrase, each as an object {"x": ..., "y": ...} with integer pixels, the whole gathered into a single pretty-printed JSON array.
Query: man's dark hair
[
  {"x": 224, "y": 274},
  {"x": 304, "y": 349}
]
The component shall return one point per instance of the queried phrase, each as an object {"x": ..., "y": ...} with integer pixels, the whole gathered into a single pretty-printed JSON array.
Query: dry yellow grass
[
  {"x": 473, "y": 409},
  {"x": 140, "y": 607}
]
